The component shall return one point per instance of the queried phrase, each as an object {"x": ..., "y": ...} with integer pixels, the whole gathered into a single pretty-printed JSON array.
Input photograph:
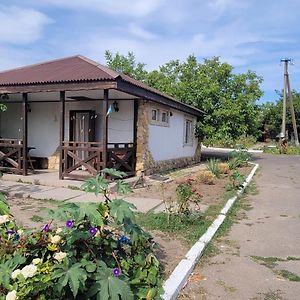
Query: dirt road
[{"x": 260, "y": 257}]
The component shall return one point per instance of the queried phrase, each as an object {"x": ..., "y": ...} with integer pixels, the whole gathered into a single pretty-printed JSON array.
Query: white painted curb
[
  {"x": 180, "y": 275},
  {"x": 231, "y": 149}
]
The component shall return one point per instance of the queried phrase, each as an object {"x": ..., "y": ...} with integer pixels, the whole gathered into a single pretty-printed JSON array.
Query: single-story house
[{"x": 78, "y": 116}]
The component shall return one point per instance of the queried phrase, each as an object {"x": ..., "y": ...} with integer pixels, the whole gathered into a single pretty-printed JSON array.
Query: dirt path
[{"x": 260, "y": 258}]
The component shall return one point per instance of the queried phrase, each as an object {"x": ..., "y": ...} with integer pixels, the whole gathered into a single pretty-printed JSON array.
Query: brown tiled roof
[{"x": 71, "y": 70}]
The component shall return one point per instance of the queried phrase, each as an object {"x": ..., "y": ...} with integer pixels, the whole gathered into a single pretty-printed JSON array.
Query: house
[{"x": 78, "y": 117}]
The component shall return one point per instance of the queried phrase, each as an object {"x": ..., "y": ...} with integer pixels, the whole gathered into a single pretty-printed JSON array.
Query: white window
[
  {"x": 159, "y": 117},
  {"x": 165, "y": 117},
  {"x": 188, "y": 132}
]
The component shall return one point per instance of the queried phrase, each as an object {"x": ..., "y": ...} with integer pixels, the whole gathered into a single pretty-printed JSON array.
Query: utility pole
[{"x": 287, "y": 94}]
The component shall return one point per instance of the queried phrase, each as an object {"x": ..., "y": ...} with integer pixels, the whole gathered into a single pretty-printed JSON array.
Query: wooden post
[
  {"x": 104, "y": 126},
  {"x": 62, "y": 132},
  {"x": 25, "y": 132},
  {"x": 135, "y": 120}
]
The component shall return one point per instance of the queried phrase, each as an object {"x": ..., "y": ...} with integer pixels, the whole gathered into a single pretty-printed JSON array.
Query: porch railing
[
  {"x": 78, "y": 157},
  {"x": 121, "y": 156},
  {"x": 11, "y": 155}
]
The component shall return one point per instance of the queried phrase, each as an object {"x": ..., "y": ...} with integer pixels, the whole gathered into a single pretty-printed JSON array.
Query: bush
[
  {"x": 239, "y": 159},
  {"x": 206, "y": 177},
  {"x": 100, "y": 252},
  {"x": 213, "y": 166},
  {"x": 224, "y": 168}
]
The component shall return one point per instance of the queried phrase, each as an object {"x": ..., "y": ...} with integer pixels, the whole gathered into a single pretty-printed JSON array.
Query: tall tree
[{"x": 228, "y": 99}]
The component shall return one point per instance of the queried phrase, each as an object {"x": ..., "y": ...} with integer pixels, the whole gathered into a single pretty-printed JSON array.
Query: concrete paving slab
[
  {"x": 144, "y": 204},
  {"x": 58, "y": 194}
]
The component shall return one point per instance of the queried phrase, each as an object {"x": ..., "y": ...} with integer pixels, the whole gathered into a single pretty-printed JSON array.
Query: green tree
[{"x": 228, "y": 99}]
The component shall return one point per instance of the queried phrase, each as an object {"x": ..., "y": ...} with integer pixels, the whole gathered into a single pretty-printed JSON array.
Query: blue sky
[{"x": 248, "y": 34}]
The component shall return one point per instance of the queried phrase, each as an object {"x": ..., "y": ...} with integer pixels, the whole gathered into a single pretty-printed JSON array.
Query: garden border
[{"x": 181, "y": 273}]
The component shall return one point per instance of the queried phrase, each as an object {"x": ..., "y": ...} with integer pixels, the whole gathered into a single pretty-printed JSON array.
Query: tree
[{"x": 228, "y": 99}]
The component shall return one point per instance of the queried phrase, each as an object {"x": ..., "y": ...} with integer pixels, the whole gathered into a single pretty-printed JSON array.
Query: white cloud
[
  {"x": 114, "y": 7},
  {"x": 140, "y": 32},
  {"x": 21, "y": 25}
]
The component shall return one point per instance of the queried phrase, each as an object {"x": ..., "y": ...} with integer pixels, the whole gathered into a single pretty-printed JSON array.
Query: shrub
[
  {"x": 213, "y": 166},
  {"x": 187, "y": 195},
  {"x": 239, "y": 159},
  {"x": 206, "y": 177},
  {"x": 224, "y": 168},
  {"x": 100, "y": 253}
]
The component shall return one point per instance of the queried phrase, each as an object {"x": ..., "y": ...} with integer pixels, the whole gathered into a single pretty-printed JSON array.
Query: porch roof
[{"x": 79, "y": 72}]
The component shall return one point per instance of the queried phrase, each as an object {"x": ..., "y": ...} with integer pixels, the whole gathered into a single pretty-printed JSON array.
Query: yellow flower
[
  {"x": 60, "y": 256},
  {"x": 15, "y": 273},
  {"x": 11, "y": 295},
  {"x": 29, "y": 271},
  {"x": 55, "y": 239},
  {"x": 20, "y": 231},
  {"x": 4, "y": 219},
  {"x": 36, "y": 261}
]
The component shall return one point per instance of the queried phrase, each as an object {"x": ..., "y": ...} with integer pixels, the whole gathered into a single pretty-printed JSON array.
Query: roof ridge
[
  {"x": 39, "y": 64},
  {"x": 110, "y": 72}
]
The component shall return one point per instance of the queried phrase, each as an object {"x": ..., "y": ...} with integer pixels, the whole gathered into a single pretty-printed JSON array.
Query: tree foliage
[{"x": 228, "y": 99}]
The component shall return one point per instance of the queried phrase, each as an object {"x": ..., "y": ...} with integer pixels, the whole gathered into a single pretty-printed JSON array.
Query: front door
[{"x": 82, "y": 129}]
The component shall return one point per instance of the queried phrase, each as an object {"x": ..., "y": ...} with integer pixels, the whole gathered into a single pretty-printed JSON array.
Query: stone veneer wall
[
  {"x": 144, "y": 159},
  {"x": 53, "y": 160}
]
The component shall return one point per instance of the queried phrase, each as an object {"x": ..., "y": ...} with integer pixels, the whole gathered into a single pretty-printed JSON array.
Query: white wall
[
  {"x": 168, "y": 142},
  {"x": 44, "y": 118}
]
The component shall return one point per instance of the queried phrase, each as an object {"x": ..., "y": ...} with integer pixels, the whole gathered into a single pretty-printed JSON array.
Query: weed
[
  {"x": 213, "y": 166},
  {"x": 206, "y": 177},
  {"x": 288, "y": 275},
  {"x": 224, "y": 168},
  {"x": 238, "y": 159},
  {"x": 36, "y": 218},
  {"x": 73, "y": 187}
]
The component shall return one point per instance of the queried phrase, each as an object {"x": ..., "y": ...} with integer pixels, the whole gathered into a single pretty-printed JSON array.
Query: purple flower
[
  {"x": 46, "y": 227},
  {"x": 93, "y": 231},
  {"x": 10, "y": 232},
  {"x": 116, "y": 272},
  {"x": 70, "y": 224}
]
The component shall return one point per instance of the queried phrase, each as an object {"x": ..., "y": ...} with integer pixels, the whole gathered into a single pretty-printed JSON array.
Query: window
[
  {"x": 159, "y": 117},
  {"x": 188, "y": 132},
  {"x": 154, "y": 116},
  {"x": 165, "y": 117}
]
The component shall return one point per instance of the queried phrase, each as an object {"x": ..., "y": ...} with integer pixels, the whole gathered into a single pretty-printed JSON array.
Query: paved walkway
[
  {"x": 42, "y": 192},
  {"x": 271, "y": 229}
]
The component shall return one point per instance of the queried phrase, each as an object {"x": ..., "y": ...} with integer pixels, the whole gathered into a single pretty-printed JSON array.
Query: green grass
[
  {"x": 288, "y": 275},
  {"x": 269, "y": 262},
  {"x": 37, "y": 219}
]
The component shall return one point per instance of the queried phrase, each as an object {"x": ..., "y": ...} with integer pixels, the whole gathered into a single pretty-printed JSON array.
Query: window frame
[{"x": 188, "y": 137}]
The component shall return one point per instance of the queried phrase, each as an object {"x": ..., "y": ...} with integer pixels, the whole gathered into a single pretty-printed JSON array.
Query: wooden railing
[
  {"x": 11, "y": 155},
  {"x": 121, "y": 156},
  {"x": 80, "y": 160}
]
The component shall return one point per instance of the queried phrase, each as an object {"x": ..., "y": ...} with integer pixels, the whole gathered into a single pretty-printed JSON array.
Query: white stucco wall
[{"x": 168, "y": 142}]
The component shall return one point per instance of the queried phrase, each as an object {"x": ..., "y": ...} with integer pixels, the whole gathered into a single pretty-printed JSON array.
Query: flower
[
  {"x": 116, "y": 272},
  {"x": 58, "y": 230},
  {"x": 93, "y": 231},
  {"x": 15, "y": 273},
  {"x": 194, "y": 190},
  {"x": 46, "y": 227},
  {"x": 55, "y": 239},
  {"x": 11, "y": 295},
  {"x": 60, "y": 256},
  {"x": 70, "y": 224},
  {"x": 4, "y": 219},
  {"x": 29, "y": 271},
  {"x": 124, "y": 240},
  {"x": 36, "y": 261},
  {"x": 10, "y": 232},
  {"x": 20, "y": 231}
]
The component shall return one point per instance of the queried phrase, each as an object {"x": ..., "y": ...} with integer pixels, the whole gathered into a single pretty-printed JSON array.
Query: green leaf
[
  {"x": 4, "y": 207},
  {"x": 114, "y": 173},
  {"x": 121, "y": 210},
  {"x": 91, "y": 212},
  {"x": 96, "y": 185},
  {"x": 123, "y": 187},
  {"x": 72, "y": 276}
]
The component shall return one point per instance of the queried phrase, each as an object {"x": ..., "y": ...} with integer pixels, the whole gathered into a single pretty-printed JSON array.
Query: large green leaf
[
  {"x": 121, "y": 210},
  {"x": 96, "y": 185},
  {"x": 4, "y": 207},
  {"x": 114, "y": 173},
  {"x": 73, "y": 276}
]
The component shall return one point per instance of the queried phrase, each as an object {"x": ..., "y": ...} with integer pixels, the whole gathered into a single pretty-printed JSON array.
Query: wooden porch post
[
  {"x": 104, "y": 126},
  {"x": 135, "y": 120},
  {"x": 62, "y": 132},
  {"x": 25, "y": 132}
]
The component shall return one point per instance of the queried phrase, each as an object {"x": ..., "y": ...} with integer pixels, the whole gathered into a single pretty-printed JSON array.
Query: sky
[{"x": 248, "y": 34}]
